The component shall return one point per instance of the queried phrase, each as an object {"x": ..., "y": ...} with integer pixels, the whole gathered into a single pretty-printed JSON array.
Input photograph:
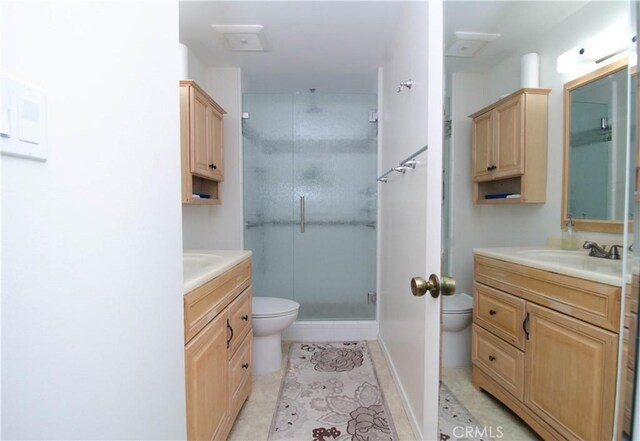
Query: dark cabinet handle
[
  {"x": 525, "y": 326},
  {"x": 492, "y": 358},
  {"x": 231, "y": 336},
  {"x": 245, "y": 366},
  {"x": 492, "y": 312},
  {"x": 489, "y": 168},
  {"x": 245, "y": 317},
  {"x": 213, "y": 166}
]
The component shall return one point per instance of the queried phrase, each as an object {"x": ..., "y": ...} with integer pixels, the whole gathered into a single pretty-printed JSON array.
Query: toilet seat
[
  {"x": 266, "y": 307},
  {"x": 457, "y": 304}
]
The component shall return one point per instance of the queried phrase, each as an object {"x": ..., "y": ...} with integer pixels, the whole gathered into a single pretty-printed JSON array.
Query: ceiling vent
[
  {"x": 467, "y": 44},
  {"x": 242, "y": 38}
]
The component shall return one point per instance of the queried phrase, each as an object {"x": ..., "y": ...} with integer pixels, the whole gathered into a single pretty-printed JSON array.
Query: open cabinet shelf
[
  {"x": 201, "y": 145},
  {"x": 509, "y": 149}
]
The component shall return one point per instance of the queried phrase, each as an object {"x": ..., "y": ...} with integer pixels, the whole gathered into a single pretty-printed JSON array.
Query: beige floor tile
[{"x": 488, "y": 411}]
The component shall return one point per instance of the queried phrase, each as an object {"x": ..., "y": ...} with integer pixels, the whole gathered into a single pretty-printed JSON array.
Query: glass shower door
[
  {"x": 334, "y": 170},
  {"x": 321, "y": 147},
  {"x": 268, "y": 189}
]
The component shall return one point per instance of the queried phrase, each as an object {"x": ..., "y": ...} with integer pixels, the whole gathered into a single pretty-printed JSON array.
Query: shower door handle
[{"x": 302, "y": 214}]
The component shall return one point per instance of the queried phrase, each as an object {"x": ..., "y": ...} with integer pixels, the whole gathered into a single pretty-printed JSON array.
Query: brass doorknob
[{"x": 446, "y": 287}]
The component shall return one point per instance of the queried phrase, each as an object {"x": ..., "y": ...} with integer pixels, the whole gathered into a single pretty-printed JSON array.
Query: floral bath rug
[{"x": 330, "y": 392}]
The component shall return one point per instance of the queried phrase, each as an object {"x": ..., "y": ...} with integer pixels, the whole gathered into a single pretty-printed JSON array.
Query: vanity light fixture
[{"x": 604, "y": 46}]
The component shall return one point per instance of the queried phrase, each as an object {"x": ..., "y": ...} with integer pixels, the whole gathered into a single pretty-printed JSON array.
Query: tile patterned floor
[
  {"x": 488, "y": 411},
  {"x": 254, "y": 420}
]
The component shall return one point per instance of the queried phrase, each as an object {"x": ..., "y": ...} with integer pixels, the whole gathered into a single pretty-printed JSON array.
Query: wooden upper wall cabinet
[
  {"x": 509, "y": 148},
  {"x": 201, "y": 144}
]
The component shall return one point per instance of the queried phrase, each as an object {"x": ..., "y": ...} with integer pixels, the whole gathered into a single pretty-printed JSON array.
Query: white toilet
[
  {"x": 270, "y": 316},
  {"x": 456, "y": 330}
]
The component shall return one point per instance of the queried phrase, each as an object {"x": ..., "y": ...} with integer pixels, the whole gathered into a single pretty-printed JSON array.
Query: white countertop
[
  {"x": 200, "y": 266},
  {"x": 571, "y": 263}
]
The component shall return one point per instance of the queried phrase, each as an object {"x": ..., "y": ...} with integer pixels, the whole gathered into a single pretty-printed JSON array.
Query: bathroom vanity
[
  {"x": 218, "y": 338},
  {"x": 545, "y": 337}
]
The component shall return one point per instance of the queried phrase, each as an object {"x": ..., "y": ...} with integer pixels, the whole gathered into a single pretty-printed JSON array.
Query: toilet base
[
  {"x": 267, "y": 354},
  {"x": 456, "y": 348}
]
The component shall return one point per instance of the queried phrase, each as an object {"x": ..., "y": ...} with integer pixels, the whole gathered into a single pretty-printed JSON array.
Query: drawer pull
[
  {"x": 492, "y": 358},
  {"x": 492, "y": 312},
  {"x": 231, "y": 336},
  {"x": 245, "y": 365},
  {"x": 245, "y": 317},
  {"x": 525, "y": 326}
]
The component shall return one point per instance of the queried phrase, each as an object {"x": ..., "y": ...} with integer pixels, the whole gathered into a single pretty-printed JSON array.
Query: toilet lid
[
  {"x": 457, "y": 304},
  {"x": 272, "y": 306}
]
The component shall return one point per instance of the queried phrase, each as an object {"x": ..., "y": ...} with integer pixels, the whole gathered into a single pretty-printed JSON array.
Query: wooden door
[
  {"x": 482, "y": 145},
  {"x": 201, "y": 123},
  {"x": 207, "y": 382},
  {"x": 509, "y": 138},
  {"x": 570, "y": 374},
  {"x": 215, "y": 141}
]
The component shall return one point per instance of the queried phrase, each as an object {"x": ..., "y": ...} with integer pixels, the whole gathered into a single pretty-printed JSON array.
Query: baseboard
[
  {"x": 403, "y": 396},
  {"x": 332, "y": 331}
]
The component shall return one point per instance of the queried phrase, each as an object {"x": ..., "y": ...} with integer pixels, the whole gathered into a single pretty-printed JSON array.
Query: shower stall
[{"x": 310, "y": 200}]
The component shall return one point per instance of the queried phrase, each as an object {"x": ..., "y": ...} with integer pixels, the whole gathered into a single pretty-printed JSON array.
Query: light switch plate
[{"x": 23, "y": 120}]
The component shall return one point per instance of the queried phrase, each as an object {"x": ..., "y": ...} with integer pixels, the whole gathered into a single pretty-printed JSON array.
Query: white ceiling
[
  {"x": 518, "y": 22},
  {"x": 337, "y": 46},
  {"x": 328, "y": 45}
]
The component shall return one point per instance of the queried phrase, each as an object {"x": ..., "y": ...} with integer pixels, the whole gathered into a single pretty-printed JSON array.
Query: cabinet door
[
  {"x": 509, "y": 138},
  {"x": 201, "y": 123},
  {"x": 570, "y": 374},
  {"x": 207, "y": 382},
  {"x": 215, "y": 160},
  {"x": 482, "y": 144}
]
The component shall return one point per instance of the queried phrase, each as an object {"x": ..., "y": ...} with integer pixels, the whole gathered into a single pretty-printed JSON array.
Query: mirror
[{"x": 595, "y": 140}]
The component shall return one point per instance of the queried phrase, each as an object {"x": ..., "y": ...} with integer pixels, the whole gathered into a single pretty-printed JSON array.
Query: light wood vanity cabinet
[
  {"x": 545, "y": 344},
  {"x": 201, "y": 140},
  {"x": 509, "y": 148},
  {"x": 218, "y": 339}
]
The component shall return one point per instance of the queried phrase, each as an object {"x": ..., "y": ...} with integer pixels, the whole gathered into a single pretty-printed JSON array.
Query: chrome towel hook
[{"x": 407, "y": 83}]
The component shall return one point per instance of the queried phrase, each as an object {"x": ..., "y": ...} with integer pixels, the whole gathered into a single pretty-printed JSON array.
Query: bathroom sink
[
  {"x": 573, "y": 263},
  {"x": 560, "y": 256},
  {"x": 200, "y": 266},
  {"x": 576, "y": 260},
  {"x": 194, "y": 264}
]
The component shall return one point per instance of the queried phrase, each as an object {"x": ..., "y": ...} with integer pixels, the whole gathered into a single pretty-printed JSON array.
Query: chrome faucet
[{"x": 596, "y": 250}]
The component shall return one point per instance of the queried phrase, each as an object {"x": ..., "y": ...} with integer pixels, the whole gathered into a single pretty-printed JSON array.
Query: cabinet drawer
[
  {"x": 592, "y": 302},
  {"x": 500, "y": 313},
  {"x": 240, "y": 319},
  {"x": 240, "y": 368},
  {"x": 202, "y": 304},
  {"x": 499, "y": 360}
]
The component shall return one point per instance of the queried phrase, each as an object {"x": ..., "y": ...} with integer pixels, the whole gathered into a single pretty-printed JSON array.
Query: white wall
[
  {"x": 476, "y": 226},
  {"x": 92, "y": 331},
  {"x": 219, "y": 227}
]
